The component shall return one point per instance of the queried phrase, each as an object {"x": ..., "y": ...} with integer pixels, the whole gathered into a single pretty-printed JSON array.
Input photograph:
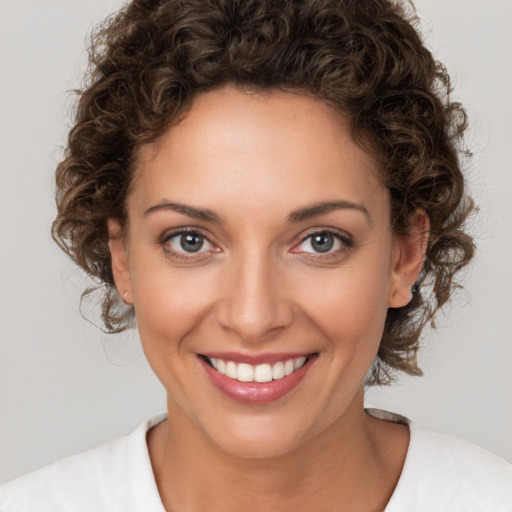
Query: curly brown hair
[{"x": 364, "y": 58}]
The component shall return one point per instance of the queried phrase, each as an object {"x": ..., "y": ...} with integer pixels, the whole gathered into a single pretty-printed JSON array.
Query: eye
[
  {"x": 185, "y": 243},
  {"x": 323, "y": 242}
]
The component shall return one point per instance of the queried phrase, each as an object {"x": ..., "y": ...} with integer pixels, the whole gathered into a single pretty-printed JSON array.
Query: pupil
[
  {"x": 191, "y": 242},
  {"x": 323, "y": 242}
]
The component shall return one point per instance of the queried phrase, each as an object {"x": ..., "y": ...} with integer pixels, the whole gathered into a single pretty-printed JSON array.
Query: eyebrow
[
  {"x": 294, "y": 217},
  {"x": 190, "y": 211},
  {"x": 323, "y": 208}
]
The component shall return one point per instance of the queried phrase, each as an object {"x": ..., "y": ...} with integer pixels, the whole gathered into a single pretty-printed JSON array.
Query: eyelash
[
  {"x": 346, "y": 242},
  {"x": 181, "y": 256},
  {"x": 344, "y": 239}
]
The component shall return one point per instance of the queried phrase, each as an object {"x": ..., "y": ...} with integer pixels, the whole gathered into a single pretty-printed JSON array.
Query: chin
[
  {"x": 269, "y": 447},
  {"x": 257, "y": 437}
]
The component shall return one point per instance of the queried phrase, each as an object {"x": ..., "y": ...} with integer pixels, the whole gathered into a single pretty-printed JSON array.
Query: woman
[{"x": 274, "y": 190}]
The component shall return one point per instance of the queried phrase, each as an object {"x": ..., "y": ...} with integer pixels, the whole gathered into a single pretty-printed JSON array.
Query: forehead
[{"x": 257, "y": 148}]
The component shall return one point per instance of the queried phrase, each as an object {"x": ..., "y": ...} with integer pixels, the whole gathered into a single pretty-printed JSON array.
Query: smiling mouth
[{"x": 259, "y": 373}]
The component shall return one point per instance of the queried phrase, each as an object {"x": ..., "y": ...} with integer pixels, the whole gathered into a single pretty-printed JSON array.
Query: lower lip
[{"x": 255, "y": 392}]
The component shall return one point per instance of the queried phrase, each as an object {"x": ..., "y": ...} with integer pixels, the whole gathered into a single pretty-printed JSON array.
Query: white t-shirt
[{"x": 440, "y": 474}]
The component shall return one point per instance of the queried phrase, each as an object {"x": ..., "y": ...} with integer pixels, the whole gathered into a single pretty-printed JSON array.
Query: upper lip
[{"x": 255, "y": 359}]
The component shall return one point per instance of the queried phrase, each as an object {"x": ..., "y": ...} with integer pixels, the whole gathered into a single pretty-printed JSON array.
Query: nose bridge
[{"x": 253, "y": 303}]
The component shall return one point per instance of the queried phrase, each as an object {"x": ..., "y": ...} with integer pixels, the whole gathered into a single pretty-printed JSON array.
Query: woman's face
[{"x": 259, "y": 241}]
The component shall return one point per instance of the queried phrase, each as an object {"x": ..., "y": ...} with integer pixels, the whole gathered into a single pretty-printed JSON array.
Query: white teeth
[
  {"x": 278, "y": 371},
  {"x": 231, "y": 370},
  {"x": 221, "y": 366},
  {"x": 299, "y": 362},
  {"x": 263, "y": 373},
  {"x": 244, "y": 372}
]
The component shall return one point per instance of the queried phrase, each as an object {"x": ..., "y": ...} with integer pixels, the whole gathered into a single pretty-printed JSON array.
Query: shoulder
[
  {"x": 85, "y": 478},
  {"x": 99, "y": 480},
  {"x": 444, "y": 473}
]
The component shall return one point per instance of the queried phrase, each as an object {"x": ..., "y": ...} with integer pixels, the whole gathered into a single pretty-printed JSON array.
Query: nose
[{"x": 254, "y": 303}]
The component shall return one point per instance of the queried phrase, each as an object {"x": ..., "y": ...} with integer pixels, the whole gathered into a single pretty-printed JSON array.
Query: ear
[
  {"x": 119, "y": 261},
  {"x": 408, "y": 257}
]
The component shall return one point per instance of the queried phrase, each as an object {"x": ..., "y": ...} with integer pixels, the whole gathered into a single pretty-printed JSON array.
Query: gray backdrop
[{"x": 59, "y": 391}]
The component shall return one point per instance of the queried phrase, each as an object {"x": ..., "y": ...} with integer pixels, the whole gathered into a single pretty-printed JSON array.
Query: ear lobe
[
  {"x": 119, "y": 261},
  {"x": 408, "y": 257}
]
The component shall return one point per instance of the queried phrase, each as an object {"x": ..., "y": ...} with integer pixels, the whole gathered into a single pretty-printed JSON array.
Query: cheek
[
  {"x": 350, "y": 303},
  {"x": 169, "y": 302},
  {"x": 169, "y": 306}
]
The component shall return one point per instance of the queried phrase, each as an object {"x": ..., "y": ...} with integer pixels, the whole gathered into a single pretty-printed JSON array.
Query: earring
[
  {"x": 125, "y": 294},
  {"x": 414, "y": 288}
]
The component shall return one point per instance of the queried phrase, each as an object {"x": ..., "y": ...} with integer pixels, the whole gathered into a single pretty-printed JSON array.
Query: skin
[{"x": 258, "y": 287}]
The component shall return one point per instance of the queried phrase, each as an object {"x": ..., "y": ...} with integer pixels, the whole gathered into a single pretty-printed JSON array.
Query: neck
[{"x": 337, "y": 467}]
